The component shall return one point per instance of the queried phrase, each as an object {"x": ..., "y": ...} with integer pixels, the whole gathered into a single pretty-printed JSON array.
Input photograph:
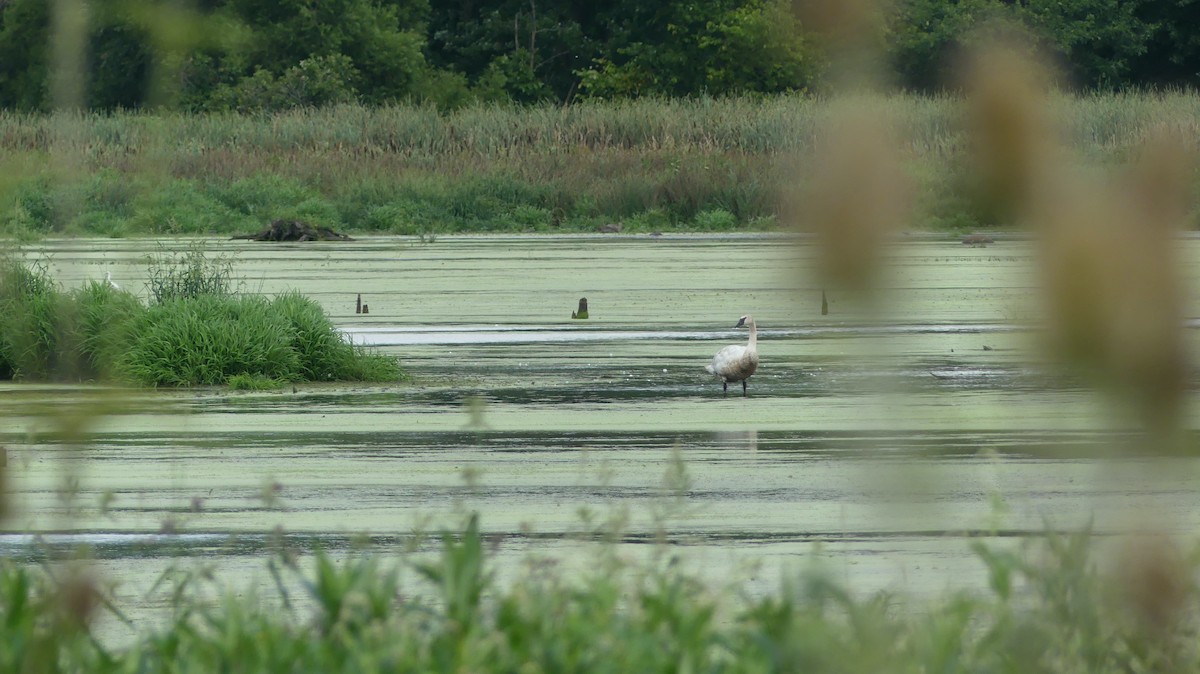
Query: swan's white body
[
  {"x": 736, "y": 363},
  {"x": 111, "y": 283}
]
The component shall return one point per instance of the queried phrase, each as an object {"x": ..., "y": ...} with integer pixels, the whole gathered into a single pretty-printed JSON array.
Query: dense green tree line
[{"x": 275, "y": 54}]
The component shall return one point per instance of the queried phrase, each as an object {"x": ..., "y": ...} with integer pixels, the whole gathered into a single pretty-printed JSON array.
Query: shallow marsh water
[{"x": 887, "y": 438}]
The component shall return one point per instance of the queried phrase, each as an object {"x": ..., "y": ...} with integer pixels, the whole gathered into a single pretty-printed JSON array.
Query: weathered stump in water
[
  {"x": 582, "y": 313},
  {"x": 610, "y": 228},
  {"x": 824, "y": 304},
  {"x": 294, "y": 230}
]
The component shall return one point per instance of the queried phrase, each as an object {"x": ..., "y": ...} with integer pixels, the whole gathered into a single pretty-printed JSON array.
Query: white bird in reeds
[
  {"x": 111, "y": 283},
  {"x": 736, "y": 362}
]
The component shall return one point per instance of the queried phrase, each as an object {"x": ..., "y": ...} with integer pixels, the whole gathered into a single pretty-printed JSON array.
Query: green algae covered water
[{"x": 877, "y": 441}]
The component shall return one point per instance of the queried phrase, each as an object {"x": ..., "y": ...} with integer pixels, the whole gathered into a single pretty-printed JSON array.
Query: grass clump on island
[
  {"x": 195, "y": 331},
  {"x": 703, "y": 165},
  {"x": 1048, "y": 610}
]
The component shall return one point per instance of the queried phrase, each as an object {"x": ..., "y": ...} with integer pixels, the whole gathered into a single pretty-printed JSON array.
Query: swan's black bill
[{"x": 741, "y": 322}]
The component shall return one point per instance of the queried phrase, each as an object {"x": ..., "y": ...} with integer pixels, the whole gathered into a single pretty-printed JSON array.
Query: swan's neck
[{"x": 753, "y": 343}]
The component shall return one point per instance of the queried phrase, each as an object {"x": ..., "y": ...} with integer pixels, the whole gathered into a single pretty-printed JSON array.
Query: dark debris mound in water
[{"x": 295, "y": 230}]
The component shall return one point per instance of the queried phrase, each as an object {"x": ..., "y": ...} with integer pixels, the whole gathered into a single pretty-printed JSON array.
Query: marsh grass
[
  {"x": 195, "y": 332},
  {"x": 205, "y": 340},
  {"x": 254, "y": 382},
  {"x": 104, "y": 319},
  {"x": 323, "y": 354},
  {"x": 188, "y": 274},
  {"x": 208, "y": 339},
  {"x": 34, "y": 330},
  {"x": 1048, "y": 609},
  {"x": 413, "y": 170}
]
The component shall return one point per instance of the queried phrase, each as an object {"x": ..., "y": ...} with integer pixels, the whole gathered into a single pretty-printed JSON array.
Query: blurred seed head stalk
[
  {"x": 1112, "y": 292},
  {"x": 174, "y": 29},
  {"x": 1105, "y": 243},
  {"x": 856, "y": 197}
]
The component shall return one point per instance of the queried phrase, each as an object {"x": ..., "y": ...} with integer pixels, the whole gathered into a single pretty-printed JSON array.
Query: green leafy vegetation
[
  {"x": 35, "y": 329},
  {"x": 1048, "y": 609},
  {"x": 323, "y": 354},
  {"x": 207, "y": 339},
  {"x": 254, "y": 382},
  {"x": 105, "y": 318},
  {"x": 188, "y": 275},
  {"x": 245, "y": 56},
  {"x": 648, "y": 164},
  {"x": 194, "y": 332}
]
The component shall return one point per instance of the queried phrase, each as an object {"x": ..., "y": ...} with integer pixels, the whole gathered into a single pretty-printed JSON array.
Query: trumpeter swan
[
  {"x": 111, "y": 283},
  {"x": 736, "y": 362}
]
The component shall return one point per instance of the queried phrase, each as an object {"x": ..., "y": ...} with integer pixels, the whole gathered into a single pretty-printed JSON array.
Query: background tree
[
  {"x": 1172, "y": 55},
  {"x": 118, "y": 63},
  {"x": 276, "y": 54},
  {"x": 925, "y": 37},
  {"x": 1098, "y": 41},
  {"x": 520, "y": 49},
  {"x": 24, "y": 30},
  {"x": 712, "y": 47},
  {"x": 312, "y": 53}
]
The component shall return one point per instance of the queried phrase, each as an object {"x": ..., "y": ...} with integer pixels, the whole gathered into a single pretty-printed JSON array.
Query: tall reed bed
[{"x": 650, "y": 164}]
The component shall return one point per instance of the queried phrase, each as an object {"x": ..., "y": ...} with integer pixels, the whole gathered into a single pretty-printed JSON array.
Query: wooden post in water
[
  {"x": 824, "y": 304},
  {"x": 358, "y": 304}
]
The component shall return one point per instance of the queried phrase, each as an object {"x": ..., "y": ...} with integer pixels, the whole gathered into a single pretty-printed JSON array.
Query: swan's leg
[
  {"x": 744, "y": 388},
  {"x": 725, "y": 387}
]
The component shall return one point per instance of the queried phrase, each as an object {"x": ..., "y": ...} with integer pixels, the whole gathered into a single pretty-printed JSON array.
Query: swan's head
[{"x": 743, "y": 321}]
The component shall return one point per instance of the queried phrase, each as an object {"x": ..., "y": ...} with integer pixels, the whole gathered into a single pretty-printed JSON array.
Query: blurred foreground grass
[{"x": 1049, "y": 609}]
